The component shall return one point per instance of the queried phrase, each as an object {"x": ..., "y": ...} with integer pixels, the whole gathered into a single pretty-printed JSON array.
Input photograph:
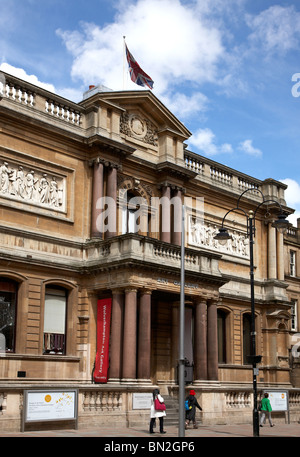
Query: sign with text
[
  {"x": 141, "y": 400},
  {"x": 103, "y": 330},
  {"x": 50, "y": 405},
  {"x": 278, "y": 400}
]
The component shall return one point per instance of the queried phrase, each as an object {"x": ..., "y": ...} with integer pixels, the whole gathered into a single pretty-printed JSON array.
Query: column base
[
  {"x": 144, "y": 382},
  {"x": 128, "y": 381},
  {"x": 206, "y": 383}
]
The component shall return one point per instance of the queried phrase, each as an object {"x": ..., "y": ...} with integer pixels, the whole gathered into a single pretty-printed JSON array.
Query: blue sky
[{"x": 228, "y": 69}]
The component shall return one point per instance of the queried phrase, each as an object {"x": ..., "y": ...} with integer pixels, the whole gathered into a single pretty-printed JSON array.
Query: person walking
[
  {"x": 266, "y": 408},
  {"x": 190, "y": 414},
  {"x": 154, "y": 413}
]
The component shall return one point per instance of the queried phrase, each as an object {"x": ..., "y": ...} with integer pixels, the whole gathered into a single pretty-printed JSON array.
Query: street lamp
[{"x": 223, "y": 236}]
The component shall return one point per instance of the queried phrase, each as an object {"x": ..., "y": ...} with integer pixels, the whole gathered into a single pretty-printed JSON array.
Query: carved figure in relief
[
  {"x": 44, "y": 189},
  {"x": 202, "y": 234},
  {"x": 4, "y": 174},
  {"x": 30, "y": 186},
  {"x": 54, "y": 192}
]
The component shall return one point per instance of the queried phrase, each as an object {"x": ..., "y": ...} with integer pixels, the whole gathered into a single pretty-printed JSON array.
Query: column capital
[
  {"x": 117, "y": 290},
  {"x": 146, "y": 291}
]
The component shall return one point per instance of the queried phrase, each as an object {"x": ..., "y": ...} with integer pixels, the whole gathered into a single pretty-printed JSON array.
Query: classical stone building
[{"x": 91, "y": 201}]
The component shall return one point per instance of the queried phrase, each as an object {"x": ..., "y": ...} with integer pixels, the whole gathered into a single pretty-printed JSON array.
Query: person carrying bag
[{"x": 158, "y": 410}]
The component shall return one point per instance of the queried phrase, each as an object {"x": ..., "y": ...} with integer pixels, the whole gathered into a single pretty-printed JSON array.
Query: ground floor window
[
  {"x": 8, "y": 304},
  {"x": 55, "y": 320}
]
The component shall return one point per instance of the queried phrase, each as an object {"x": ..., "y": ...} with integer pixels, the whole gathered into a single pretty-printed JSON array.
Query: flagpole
[{"x": 124, "y": 56}]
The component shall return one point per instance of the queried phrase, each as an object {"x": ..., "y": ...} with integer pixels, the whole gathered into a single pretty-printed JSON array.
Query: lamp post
[
  {"x": 223, "y": 236},
  {"x": 181, "y": 396}
]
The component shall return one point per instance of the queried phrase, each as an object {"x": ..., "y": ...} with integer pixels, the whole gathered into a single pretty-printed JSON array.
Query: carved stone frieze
[
  {"x": 201, "y": 234},
  {"x": 32, "y": 185},
  {"x": 133, "y": 125}
]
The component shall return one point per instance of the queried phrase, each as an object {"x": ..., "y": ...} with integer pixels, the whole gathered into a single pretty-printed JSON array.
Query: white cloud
[
  {"x": 185, "y": 106},
  {"x": 247, "y": 147},
  {"x": 20, "y": 73},
  {"x": 292, "y": 197},
  {"x": 171, "y": 42},
  {"x": 205, "y": 141},
  {"x": 276, "y": 29}
]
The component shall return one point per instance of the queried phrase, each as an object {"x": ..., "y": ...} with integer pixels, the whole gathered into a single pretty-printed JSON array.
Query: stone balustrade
[
  {"x": 39, "y": 100},
  {"x": 135, "y": 247},
  {"x": 219, "y": 175},
  {"x": 111, "y": 404}
]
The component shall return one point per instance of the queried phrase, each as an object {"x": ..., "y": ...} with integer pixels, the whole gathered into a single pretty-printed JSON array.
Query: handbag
[{"x": 159, "y": 406}]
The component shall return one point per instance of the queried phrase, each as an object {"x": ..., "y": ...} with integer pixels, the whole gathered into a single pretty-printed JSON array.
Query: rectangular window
[
  {"x": 294, "y": 325},
  {"x": 8, "y": 299},
  {"x": 292, "y": 263},
  {"x": 55, "y": 321}
]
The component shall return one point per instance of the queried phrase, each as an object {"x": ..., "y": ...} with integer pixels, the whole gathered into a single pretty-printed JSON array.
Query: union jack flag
[{"x": 137, "y": 75}]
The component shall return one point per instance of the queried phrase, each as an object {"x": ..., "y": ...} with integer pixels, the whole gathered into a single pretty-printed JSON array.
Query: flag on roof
[{"x": 137, "y": 75}]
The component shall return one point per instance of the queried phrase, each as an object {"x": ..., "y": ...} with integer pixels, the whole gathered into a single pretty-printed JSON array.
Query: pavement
[{"x": 280, "y": 430}]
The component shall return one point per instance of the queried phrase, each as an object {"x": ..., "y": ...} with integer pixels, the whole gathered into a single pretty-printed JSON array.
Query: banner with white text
[{"x": 103, "y": 331}]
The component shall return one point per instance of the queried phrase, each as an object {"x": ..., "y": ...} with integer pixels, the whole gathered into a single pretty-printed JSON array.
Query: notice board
[
  {"x": 50, "y": 405},
  {"x": 279, "y": 400}
]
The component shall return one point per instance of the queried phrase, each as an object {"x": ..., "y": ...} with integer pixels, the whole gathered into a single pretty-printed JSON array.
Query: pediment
[{"x": 145, "y": 115}]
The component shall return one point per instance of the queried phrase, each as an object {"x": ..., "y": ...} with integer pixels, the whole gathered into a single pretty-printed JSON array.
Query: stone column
[
  {"x": 272, "y": 270},
  {"x": 115, "y": 368},
  {"x": 130, "y": 332},
  {"x": 200, "y": 346},
  {"x": 166, "y": 214},
  {"x": 177, "y": 215},
  {"x": 112, "y": 193},
  {"x": 212, "y": 341},
  {"x": 280, "y": 257},
  {"x": 144, "y": 338},
  {"x": 96, "y": 230}
]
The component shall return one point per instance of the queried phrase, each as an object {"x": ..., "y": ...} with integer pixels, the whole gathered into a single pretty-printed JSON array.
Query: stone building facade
[{"x": 91, "y": 201}]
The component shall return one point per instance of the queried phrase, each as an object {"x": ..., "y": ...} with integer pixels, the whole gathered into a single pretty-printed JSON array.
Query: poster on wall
[
  {"x": 103, "y": 331},
  {"x": 50, "y": 405}
]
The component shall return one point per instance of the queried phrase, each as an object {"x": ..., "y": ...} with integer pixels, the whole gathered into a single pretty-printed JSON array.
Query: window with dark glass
[
  {"x": 246, "y": 338},
  {"x": 8, "y": 304},
  {"x": 55, "y": 321},
  {"x": 221, "y": 337}
]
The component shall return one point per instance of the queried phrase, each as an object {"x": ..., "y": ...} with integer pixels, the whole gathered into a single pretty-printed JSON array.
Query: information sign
[
  {"x": 49, "y": 405},
  {"x": 141, "y": 400},
  {"x": 278, "y": 400}
]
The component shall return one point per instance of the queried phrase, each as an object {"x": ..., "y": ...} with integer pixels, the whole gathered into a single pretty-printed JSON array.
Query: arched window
[
  {"x": 55, "y": 320},
  {"x": 246, "y": 338},
  {"x": 134, "y": 214},
  {"x": 8, "y": 308},
  {"x": 222, "y": 337}
]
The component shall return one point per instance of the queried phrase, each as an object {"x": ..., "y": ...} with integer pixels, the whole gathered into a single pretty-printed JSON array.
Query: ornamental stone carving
[
  {"x": 137, "y": 127},
  {"x": 30, "y": 185},
  {"x": 201, "y": 234}
]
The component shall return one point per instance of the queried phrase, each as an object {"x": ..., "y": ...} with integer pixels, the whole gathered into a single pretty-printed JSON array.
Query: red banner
[{"x": 103, "y": 330}]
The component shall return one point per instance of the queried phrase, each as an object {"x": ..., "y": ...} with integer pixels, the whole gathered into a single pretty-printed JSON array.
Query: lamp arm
[
  {"x": 268, "y": 201},
  {"x": 247, "y": 190},
  {"x": 230, "y": 211}
]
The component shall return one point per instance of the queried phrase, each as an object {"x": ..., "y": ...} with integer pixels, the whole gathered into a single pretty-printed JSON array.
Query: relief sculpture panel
[
  {"x": 31, "y": 185},
  {"x": 201, "y": 234}
]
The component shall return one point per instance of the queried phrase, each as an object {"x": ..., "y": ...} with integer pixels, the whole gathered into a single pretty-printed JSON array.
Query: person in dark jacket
[{"x": 190, "y": 414}]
